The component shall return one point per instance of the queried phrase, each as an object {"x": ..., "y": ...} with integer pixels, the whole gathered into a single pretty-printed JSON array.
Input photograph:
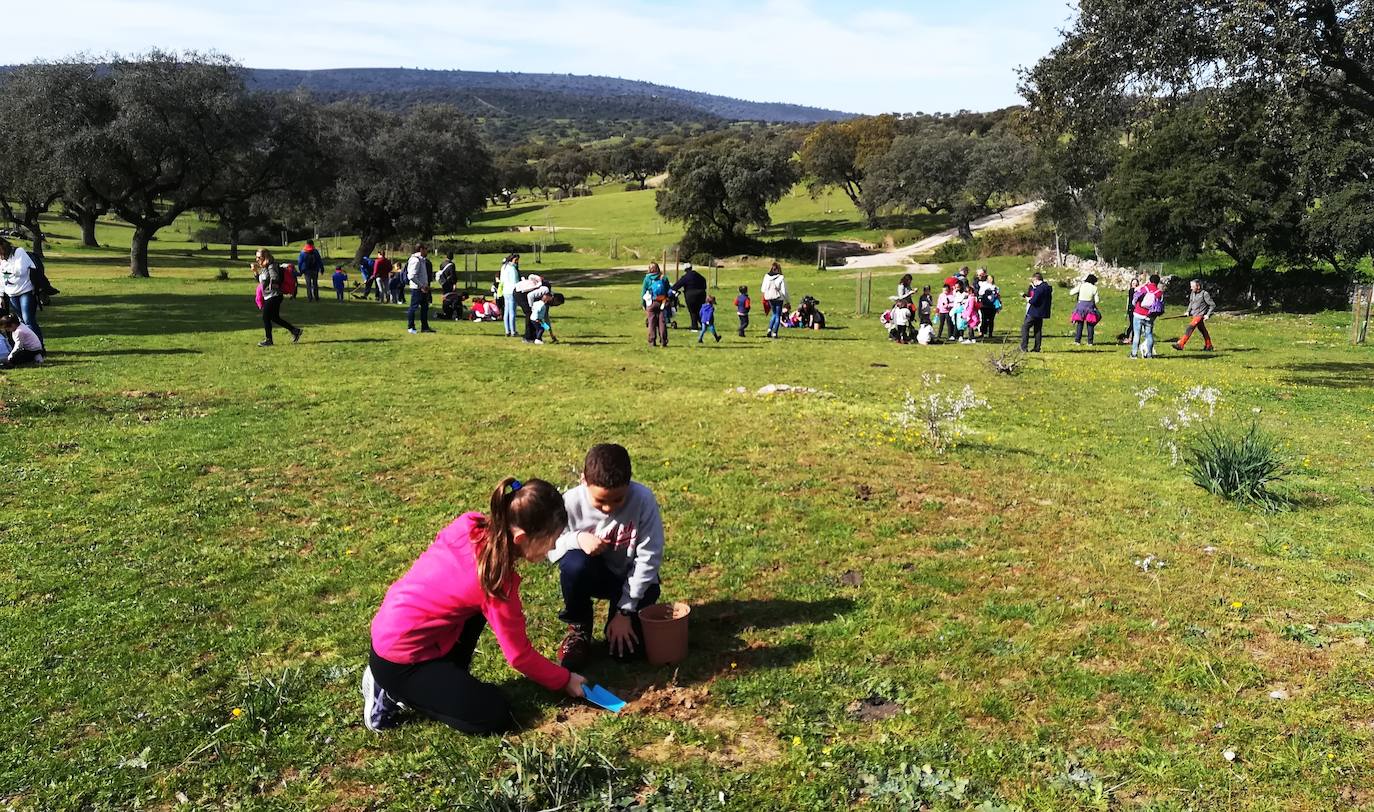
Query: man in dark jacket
[
  {"x": 1038, "y": 299},
  {"x": 693, "y": 287}
]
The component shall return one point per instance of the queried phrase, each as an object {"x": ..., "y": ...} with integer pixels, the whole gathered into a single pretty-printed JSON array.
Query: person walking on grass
[
  {"x": 421, "y": 275},
  {"x": 340, "y": 278},
  {"x": 1200, "y": 309},
  {"x": 693, "y": 287},
  {"x": 774, "y": 291},
  {"x": 655, "y": 292},
  {"x": 1039, "y": 298},
  {"x": 1147, "y": 305},
  {"x": 270, "y": 280},
  {"x": 17, "y": 269},
  {"x": 311, "y": 265},
  {"x": 742, "y": 305},
  {"x": 1085, "y": 312},
  {"x": 990, "y": 301},
  {"x": 1128, "y": 334},
  {"x": 425, "y": 633},
  {"x": 706, "y": 318},
  {"x": 448, "y": 275}
]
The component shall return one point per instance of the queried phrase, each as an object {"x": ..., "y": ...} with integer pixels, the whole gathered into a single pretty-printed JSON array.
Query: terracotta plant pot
[{"x": 665, "y": 632}]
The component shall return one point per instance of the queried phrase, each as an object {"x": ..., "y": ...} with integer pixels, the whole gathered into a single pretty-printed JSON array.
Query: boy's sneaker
[
  {"x": 412, "y": 331},
  {"x": 296, "y": 336},
  {"x": 575, "y": 648},
  {"x": 717, "y": 339},
  {"x": 539, "y": 341},
  {"x": 265, "y": 343},
  {"x": 380, "y": 711}
]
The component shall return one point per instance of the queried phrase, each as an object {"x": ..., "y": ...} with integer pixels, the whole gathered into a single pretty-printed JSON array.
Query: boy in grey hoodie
[{"x": 611, "y": 551}]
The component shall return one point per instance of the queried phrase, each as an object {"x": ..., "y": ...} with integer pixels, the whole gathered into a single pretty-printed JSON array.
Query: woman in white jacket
[
  {"x": 774, "y": 290},
  {"x": 15, "y": 269}
]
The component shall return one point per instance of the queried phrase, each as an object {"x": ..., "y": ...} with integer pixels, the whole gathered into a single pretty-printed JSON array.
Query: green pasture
[{"x": 194, "y": 526}]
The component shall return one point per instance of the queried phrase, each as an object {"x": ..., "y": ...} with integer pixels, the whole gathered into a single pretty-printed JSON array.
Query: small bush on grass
[
  {"x": 563, "y": 775},
  {"x": 1239, "y": 464}
]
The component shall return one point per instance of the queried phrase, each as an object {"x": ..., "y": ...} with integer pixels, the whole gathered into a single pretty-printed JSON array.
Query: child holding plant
[
  {"x": 425, "y": 633},
  {"x": 610, "y": 551}
]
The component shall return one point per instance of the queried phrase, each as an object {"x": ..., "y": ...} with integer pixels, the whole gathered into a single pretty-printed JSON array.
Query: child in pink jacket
[{"x": 425, "y": 633}]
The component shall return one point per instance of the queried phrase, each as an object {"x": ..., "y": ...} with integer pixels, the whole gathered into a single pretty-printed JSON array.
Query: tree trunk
[
  {"x": 138, "y": 251},
  {"x": 365, "y": 247},
  {"x": 965, "y": 231},
  {"x": 233, "y": 244},
  {"x": 87, "y": 220},
  {"x": 35, "y": 227}
]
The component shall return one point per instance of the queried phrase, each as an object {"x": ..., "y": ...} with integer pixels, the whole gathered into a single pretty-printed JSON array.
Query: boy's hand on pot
[
  {"x": 576, "y": 682},
  {"x": 590, "y": 544},
  {"x": 622, "y": 635}
]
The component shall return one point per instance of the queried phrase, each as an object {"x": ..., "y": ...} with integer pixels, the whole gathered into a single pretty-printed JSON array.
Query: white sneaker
[
  {"x": 539, "y": 341},
  {"x": 412, "y": 331},
  {"x": 380, "y": 711}
]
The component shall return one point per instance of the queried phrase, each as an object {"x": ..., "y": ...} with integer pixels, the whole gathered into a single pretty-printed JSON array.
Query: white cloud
[{"x": 868, "y": 60}]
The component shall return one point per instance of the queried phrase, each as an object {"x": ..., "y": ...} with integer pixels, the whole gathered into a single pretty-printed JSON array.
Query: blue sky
[{"x": 870, "y": 57}]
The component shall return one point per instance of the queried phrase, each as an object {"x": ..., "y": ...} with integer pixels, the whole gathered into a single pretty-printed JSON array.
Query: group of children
[
  {"x": 606, "y": 537},
  {"x": 965, "y": 310}
]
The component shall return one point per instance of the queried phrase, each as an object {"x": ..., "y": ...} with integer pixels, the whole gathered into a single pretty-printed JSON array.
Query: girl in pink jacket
[{"x": 426, "y": 630}]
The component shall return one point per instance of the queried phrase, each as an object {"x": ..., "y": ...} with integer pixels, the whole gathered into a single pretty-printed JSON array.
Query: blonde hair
[
  {"x": 535, "y": 507},
  {"x": 265, "y": 257}
]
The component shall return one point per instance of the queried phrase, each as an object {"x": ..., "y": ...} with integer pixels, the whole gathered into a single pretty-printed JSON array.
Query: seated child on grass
[
  {"x": 611, "y": 551},
  {"x": 18, "y": 343}
]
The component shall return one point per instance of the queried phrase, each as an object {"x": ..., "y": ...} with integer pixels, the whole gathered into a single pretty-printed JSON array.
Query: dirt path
[{"x": 1010, "y": 218}]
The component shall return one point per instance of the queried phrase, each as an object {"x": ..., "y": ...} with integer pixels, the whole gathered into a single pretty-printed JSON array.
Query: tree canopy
[{"x": 718, "y": 190}]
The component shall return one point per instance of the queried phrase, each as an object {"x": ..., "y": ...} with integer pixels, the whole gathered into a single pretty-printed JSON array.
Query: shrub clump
[{"x": 1239, "y": 464}]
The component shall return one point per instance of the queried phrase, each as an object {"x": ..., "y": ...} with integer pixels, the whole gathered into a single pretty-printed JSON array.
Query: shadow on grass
[
  {"x": 1333, "y": 374},
  {"x": 128, "y": 351},
  {"x": 178, "y": 313},
  {"x": 716, "y": 646}
]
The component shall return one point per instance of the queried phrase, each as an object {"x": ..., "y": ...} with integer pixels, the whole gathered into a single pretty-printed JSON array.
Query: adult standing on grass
[
  {"x": 270, "y": 279},
  {"x": 1126, "y": 336},
  {"x": 1200, "y": 309},
  {"x": 17, "y": 268},
  {"x": 1147, "y": 305},
  {"x": 312, "y": 265},
  {"x": 774, "y": 290},
  {"x": 990, "y": 297},
  {"x": 1085, "y": 311},
  {"x": 510, "y": 277},
  {"x": 655, "y": 294},
  {"x": 1039, "y": 297},
  {"x": 421, "y": 274},
  {"x": 693, "y": 287},
  {"x": 448, "y": 275},
  {"x": 381, "y": 276}
]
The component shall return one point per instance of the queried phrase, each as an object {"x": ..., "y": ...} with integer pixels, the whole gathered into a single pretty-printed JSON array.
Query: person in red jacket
[
  {"x": 381, "y": 274},
  {"x": 425, "y": 633}
]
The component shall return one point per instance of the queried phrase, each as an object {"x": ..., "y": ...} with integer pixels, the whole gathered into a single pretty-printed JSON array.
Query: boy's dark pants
[
  {"x": 585, "y": 579},
  {"x": 743, "y": 323}
]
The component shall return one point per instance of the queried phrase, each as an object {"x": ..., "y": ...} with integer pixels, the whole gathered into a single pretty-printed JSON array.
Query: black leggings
[
  {"x": 271, "y": 313},
  {"x": 444, "y": 690}
]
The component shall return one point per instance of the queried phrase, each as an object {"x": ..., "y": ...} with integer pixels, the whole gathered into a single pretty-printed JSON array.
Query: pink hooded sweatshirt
[{"x": 423, "y": 613}]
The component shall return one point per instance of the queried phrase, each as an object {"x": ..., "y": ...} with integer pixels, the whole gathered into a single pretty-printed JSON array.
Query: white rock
[
  {"x": 1279, "y": 694},
  {"x": 1229, "y": 755}
]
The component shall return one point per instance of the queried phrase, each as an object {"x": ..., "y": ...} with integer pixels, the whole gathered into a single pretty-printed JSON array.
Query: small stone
[
  {"x": 767, "y": 390},
  {"x": 181, "y": 798},
  {"x": 1279, "y": 694},
  {"x": 1229, "y": 755}
]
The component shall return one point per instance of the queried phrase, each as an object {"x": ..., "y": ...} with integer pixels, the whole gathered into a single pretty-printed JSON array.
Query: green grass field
[{"x": 194, "y": 526}]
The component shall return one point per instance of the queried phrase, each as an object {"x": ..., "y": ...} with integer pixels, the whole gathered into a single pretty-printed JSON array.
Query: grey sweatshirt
[
  {"x": 635, "y": 533},
  {"x": 1201, "y": 304}
]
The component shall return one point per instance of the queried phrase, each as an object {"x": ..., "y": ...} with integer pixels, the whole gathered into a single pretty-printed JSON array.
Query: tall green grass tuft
[
  {"x": 1239, "y": 464},
  {"x": 559, "y": 776}
]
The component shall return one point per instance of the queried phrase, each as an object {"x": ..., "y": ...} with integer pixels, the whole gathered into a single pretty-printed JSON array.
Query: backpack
[
  {"x": 1152, "y": 302},
  {"x": 288, "y": 282}
]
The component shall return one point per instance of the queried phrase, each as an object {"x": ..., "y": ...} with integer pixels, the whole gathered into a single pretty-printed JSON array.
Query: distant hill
[{"x": 532, "y": 95}]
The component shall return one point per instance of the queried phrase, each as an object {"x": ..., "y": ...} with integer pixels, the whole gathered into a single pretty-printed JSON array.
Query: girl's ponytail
[{"x": 536, "y": 507}]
